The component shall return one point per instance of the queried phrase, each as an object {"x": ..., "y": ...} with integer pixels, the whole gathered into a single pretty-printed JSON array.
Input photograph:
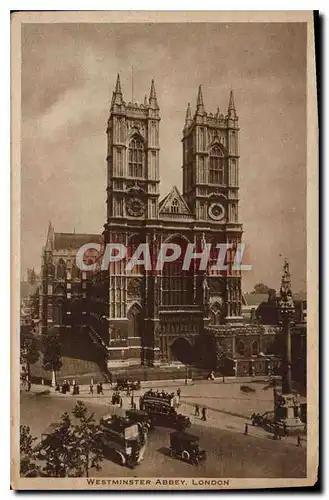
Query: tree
[
  {"x": 29, "y": 352},
  {"x": 52, "y": 354},
  {"x": 61, "y": 453},
  {"x": 88, "y": 443},
  {"x": 74, "y": 447},
  {"x": 261, "y": 288},
  {"x": 27, "y": 467}
]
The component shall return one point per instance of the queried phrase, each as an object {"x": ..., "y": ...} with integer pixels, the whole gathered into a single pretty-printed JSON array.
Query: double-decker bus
[
  {"x": 124, "y": 438},
  {"x": 161, "y": 408}
]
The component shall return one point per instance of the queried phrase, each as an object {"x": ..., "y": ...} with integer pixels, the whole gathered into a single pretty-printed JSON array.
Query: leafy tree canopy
[{"x": 51, "y": 352}]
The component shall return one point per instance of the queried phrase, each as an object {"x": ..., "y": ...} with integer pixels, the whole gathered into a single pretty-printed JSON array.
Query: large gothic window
[
  {"x": 217, "y": 166},
  {"x": 136, "y": 157},
  {"x": 177, "y": 285}
]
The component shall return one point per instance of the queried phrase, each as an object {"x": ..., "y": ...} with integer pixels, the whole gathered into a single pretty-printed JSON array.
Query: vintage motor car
[
  {"x": 123, "y": 384},
  {"x": 185, "y": 446},
  {"x": 269, "y": 422},
  {"x": 160, "y": 407}
]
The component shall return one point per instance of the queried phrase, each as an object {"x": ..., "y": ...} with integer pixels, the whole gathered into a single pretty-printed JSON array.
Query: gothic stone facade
[
  {"x": 63, "y": 288},
  {"x": 155, "y": 317}
]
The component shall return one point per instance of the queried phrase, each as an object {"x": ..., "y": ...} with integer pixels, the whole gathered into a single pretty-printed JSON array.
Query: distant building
[
  {"x": 250, "y": 303},
  {"x": 63, "y": 288}
]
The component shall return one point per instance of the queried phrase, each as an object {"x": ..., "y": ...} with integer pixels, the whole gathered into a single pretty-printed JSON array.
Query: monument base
[
  {"x": 293, "y": 424},
  {"x": 294, "y": 427}
]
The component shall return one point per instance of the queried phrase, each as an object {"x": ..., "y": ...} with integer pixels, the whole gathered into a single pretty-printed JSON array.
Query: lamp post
[{"x": 186, "y": 374}]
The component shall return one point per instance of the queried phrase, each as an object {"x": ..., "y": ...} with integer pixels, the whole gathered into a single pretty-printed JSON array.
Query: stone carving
[{"x": 215, "y": 286}]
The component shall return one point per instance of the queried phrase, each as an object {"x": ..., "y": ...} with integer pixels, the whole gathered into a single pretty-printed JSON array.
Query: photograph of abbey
[{"x": 179, "y": 134}]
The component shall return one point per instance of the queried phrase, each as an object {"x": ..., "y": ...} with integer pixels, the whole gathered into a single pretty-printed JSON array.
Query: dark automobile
[
  {"x": 170, "y": 419},
  {"x": 186, "y": 447},
  {"x": 124, "y": 384}
]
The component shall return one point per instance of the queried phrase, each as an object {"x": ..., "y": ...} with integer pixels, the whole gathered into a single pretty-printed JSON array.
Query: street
[{"x": 229, "y": 454}]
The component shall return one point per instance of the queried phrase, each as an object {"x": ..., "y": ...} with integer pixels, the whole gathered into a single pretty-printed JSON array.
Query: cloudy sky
[{"x": 68, "y": 75}]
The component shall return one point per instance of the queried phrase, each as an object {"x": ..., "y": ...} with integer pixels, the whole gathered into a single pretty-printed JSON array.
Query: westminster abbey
[{"x": 169, "y": 316}]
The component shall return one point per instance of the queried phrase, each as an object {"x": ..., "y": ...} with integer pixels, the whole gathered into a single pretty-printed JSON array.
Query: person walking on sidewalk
[
  {"x": 101, "y": 389},
  {"x": 91, "y": 389},
  {"x": 204, "y": 416},
  {"x": 197, "y": 411},
  {"x": 178, "y": 394}
]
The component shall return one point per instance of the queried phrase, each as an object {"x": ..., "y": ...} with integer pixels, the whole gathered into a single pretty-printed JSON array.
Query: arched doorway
[{"x": 181, "y": 350}]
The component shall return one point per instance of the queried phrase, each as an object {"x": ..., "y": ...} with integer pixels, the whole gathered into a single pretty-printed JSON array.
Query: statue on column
[
  {"x": 288, "y": 406},
  {"x": 286, "y": 300}
]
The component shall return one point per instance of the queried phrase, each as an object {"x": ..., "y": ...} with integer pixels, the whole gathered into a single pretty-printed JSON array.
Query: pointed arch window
[
  {"x": 217, "y": 166},
  {"x": 174, "y": 206},
  {"x": 241, "y": 348},
  {"x": 76, "y": 273},
  {"x": 254, "y": 348},
  {"x": 59, "y": 312},
  {"x": 136, "y": 156},
  {"x": 61, "y": 269},
  {"x": 216, "y": 314}
]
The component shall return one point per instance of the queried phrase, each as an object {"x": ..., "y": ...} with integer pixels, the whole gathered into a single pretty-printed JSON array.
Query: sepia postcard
[{"x": 164, "y": 250}]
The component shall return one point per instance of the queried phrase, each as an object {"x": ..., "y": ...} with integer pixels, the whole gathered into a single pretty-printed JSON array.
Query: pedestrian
[
  {"x": 178, "y": 393},
  {"x": 91, "y": 389},
  {"x": 29, "y": 385},
  {"x": 299, "y": 441},
  {"x": 132, "y": 401},
  {"x": 204, "y": 416},
  {"x": 121, "y": 402},
  {"x": 101, "y": 389},
  {"x": 128, "y": 390},
  {"x": 197, "y": 411}
]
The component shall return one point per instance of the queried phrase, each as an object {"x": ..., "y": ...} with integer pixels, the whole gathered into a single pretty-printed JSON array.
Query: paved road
[{"x": 230, "y": 454}]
